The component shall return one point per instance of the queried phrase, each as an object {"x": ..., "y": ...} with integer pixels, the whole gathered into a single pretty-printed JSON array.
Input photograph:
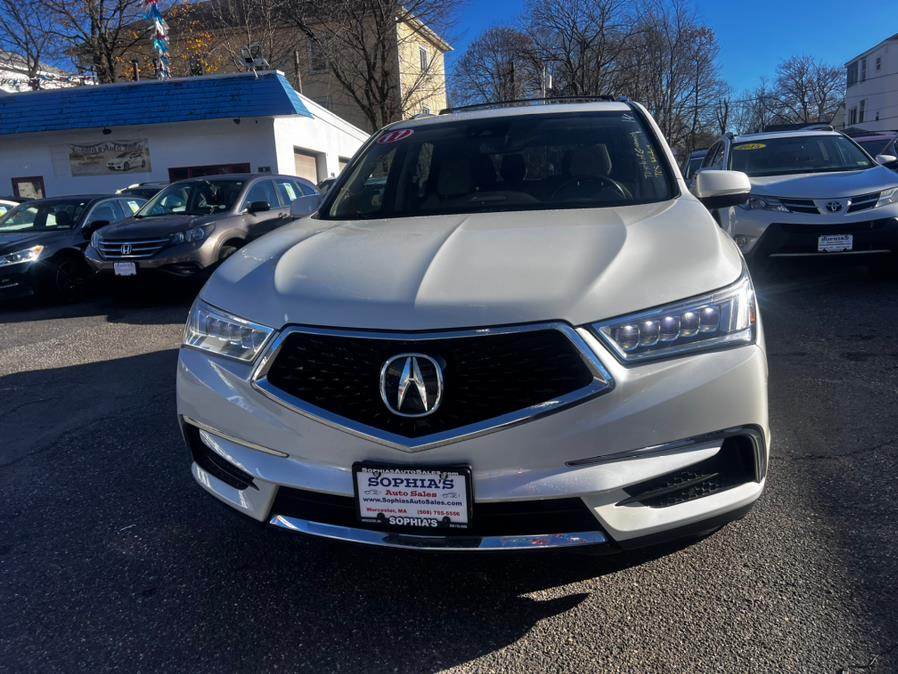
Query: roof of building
[
  {"x": 876, "y": 46},
  {"x": 188, "y": 99}
]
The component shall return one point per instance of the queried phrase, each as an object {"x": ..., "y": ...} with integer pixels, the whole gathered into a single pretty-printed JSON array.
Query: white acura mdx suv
[{"x": 505, "y": 328}]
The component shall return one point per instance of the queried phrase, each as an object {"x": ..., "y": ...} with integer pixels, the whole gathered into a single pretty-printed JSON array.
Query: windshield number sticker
[
  {"x": 394, "y": 136},
  {"x": 750, "y": 146}
]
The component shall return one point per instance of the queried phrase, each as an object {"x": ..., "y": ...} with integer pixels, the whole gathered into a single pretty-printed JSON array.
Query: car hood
[
  {"x": 825, "y": 185},
  {"x": 10, "y": 242},
  {"x": 157, "y": 226},
  {"x": 451, "y": 271}
]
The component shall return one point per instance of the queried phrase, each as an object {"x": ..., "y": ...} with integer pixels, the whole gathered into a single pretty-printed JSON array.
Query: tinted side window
[
  {"x": 263, "y": 190},
  {"x": 714, "y": 158},
  {"x": 105, "y": 210},
  {"x": 305, "y": 189}
]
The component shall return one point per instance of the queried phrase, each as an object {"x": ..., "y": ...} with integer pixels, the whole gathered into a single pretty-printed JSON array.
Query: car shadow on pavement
[
  {"x": 112, "y": 554},
  {"x": 133, "y": 301}
]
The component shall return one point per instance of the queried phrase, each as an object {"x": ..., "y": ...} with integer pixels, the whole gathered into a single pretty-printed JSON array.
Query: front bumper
[
  {"x": 659, "y": 420},
  {"x": 183, "y": 260},
  {"x": 765, "y": 234}
]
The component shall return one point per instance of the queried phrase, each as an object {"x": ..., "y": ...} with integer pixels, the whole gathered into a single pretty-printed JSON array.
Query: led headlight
[
  {"x": 887, "y": 197},
  {"x": 192, "y": 234},
  {"x": 720, "y": 319},
  {"x": 26, "y": 255},
  {"x": 211, "y": 329},
  {"x": 95, "y": 239},
  {"x": 756, "y": 202}
]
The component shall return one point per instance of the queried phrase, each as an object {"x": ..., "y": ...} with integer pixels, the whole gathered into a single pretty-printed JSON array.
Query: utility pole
[{"x": 296, "y": 70}]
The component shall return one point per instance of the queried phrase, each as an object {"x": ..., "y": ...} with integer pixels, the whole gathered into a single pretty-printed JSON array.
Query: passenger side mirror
[
  {"x": 258, "y": 207},
  {"x": 887, "y": 160},
  {"x": 302, "y": 206},
  {"x": 721, "y": 189},
  {"x": 92, "y": 227}
]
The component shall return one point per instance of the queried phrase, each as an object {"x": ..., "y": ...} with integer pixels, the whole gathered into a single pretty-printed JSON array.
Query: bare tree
[
  {"x": 98, "y": 32},
  {"x": 580, "y": 42},
  {"x": 366, "y": 45},
  {"x": 243, "y": 24},
  {"x": 808, "y": 90},
  {"x": 25, "y": 36},
  {"x": 498, "y": 66}
]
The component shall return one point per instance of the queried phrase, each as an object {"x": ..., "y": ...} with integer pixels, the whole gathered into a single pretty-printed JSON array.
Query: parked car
[
  {"x": 7, "y": 205},
  {"x": 126, "y": 161},
  {"x": 505, "y": 328},
  {"x": 813, "y": 193},
  {"x": 144, "y": 190},
  {"x": 326, "y": 184},
  {"x": 41, "y": 242},
  {"x": 881, "y": 143},
  {"x": 692, "y": 164},
  {"x": 192, "y": 225}
]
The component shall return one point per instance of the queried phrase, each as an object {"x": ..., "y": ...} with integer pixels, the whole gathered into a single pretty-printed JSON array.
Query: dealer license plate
[
  {"x": 413, "y": 498},
  {"x": 124, "y": 268},
  {"x": 835, "y": 243}
]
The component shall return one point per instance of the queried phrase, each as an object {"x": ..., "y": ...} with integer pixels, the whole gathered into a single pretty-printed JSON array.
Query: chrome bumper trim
[
  {"x": 231, "y": 438},
  {"x": 444, "y": 543}
]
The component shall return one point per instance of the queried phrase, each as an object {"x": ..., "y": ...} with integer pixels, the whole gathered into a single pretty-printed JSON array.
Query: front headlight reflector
[
  {"x": 26, "y": 255},
  {"x": 723, "y": 318},
  {"x": 211, "y": 329},
  {"x": 887, "y": 197},
  {"x": 192, "y": 234},
  {"x": 756, "y": 202}
]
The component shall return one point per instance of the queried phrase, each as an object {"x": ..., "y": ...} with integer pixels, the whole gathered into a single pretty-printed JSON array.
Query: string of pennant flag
[{"x": 160, "y": 38}]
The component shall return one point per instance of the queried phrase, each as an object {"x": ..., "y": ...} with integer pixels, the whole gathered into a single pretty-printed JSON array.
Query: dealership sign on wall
[{"x": 110, "y": 157}]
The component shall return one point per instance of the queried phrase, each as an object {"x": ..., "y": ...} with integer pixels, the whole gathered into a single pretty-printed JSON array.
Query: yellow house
[{"x": 335, "y": 78}]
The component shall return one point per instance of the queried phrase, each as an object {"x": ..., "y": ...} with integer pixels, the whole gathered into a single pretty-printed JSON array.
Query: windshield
[
  {"x": 196, "y": 197},
  {"x": 798, "y": 154},
  {"x": 544, "y": 161},
  {"x": 874, "y": 147},
  {"x": 44, "y": 216}
]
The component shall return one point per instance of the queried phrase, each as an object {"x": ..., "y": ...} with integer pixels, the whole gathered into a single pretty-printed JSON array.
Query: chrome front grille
[
  {"x": 863, "y": 202},
  {"x": 800, "y": 206},
  {"x": 130, "y": 249}
]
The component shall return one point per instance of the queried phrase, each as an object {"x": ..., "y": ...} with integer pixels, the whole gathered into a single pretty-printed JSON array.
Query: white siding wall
[
  {"x": 879, "y": 90},
  {"x": 183, "y": 144}
]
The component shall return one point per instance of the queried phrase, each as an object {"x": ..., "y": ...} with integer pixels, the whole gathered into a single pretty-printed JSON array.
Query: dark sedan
[{"x": 42, "y": 243}]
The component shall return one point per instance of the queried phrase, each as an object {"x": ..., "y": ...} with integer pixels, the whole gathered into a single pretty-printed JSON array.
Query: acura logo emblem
[
  {"x": 126, "y": 249},
  {"x": 834, "y": 206},
  {"x": 411, "y": 385}
]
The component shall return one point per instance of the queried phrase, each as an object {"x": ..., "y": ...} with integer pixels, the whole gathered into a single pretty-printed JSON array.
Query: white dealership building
[{"x": 98, "y": 139}]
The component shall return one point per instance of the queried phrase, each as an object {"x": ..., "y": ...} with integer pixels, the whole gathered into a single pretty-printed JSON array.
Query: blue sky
[{"x": 754, "y": 36}]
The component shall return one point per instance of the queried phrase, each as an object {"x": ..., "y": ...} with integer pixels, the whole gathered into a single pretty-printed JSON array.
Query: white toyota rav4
[{"x": 505, "y": 328}]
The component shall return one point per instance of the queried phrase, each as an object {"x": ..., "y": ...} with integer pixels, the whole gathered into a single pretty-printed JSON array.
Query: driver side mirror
[
  {"x": 258, "y": 207},
  {"x": 92, "y": 227},
  {"x": 721, "y": 189},
  {"x": 887, "y": 160}
]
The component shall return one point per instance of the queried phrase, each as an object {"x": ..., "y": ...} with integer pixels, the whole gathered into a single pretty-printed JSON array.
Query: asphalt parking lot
[{"x": 112, "y": 558}]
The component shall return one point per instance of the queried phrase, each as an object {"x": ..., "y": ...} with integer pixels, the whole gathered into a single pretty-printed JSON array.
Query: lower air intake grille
[
  {"x": 733, "y": 465},
  {"x": 512, "y": 518},
  {"x": 484, "y": 375},
  {"x": 217, "y": 466}
]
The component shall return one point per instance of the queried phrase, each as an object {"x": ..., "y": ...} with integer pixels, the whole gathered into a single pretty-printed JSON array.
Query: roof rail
[{"x": 527, "y": 101}]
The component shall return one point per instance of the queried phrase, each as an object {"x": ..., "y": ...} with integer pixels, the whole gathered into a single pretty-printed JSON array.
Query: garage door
[{"x": 306, "y": 166}]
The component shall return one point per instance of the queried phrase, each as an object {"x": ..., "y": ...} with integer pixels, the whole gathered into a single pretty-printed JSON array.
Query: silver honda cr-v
[{"x": 507, "y": 328}]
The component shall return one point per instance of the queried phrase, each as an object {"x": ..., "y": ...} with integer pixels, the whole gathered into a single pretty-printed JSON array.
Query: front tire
[{"x": 68, "y": 280}]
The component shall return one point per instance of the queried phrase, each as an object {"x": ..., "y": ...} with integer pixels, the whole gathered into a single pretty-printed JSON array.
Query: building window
[
  {"x": 860, "y": 114},
  {"x": 424, "y": 58},
  {"x": 877, "y": 115},
  {"x": 863, "y": 70},
  {"x": 425, "y": 110},
  {"x": 317, "y": 62},
  {"x": 852, "y": 73},
  {"x": 852, "y": 116},
  {"x": 878, "y": 62}
]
